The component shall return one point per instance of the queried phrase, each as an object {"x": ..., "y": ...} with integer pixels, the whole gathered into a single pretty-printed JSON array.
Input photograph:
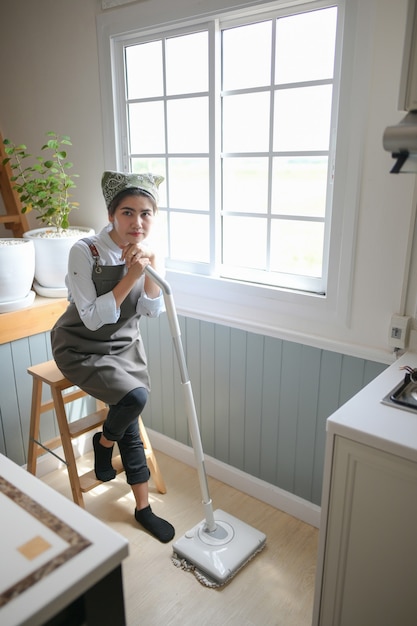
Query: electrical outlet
[{"x": 399, "y": 331}]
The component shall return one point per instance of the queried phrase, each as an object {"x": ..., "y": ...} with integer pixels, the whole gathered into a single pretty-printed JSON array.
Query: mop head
[
  {"x": 203, "y": 578},
  {"x": 216, "y": 557}
]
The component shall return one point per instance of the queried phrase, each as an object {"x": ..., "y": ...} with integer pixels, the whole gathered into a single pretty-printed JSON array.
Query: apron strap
[{"x": 95, "y": 254}]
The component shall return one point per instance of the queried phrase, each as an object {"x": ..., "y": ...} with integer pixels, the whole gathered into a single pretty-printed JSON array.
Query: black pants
[{"x": 122, "y": 426}]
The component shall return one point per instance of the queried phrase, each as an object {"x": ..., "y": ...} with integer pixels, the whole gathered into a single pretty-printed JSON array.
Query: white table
[{"x": 56, "y": 557}]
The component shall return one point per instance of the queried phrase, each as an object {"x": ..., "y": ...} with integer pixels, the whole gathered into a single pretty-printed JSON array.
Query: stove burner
[{"x": 404, "y": 395}]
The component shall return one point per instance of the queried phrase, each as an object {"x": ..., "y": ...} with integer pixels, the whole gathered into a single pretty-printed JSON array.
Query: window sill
[{"x": 308, "y": 319}]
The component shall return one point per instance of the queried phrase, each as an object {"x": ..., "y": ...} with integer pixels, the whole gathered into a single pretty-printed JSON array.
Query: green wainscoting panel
[
  {"x": 262, "y": 403},
  {"x": 16, "y": 396}
]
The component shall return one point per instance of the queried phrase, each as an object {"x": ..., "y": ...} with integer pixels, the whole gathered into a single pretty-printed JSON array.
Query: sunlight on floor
[{"x": 274, "y": 589}]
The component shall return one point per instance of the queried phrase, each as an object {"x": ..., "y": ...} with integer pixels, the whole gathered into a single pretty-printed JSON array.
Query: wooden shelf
[
  {"x": 14, "y": 220},
  {"x": 38, "y": 318}
]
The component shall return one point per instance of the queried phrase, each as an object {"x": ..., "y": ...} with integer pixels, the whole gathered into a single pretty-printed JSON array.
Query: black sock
[
  {"x": 102, "y": 460},
  {"x": 157, "y": 526}
]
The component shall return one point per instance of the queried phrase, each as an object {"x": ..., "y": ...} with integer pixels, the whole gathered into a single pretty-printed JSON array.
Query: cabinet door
[{"x": 370, "y": 561}]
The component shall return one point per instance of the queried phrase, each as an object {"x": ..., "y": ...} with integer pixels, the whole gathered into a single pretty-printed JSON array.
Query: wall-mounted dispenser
[{"x": 401, "y": 139}]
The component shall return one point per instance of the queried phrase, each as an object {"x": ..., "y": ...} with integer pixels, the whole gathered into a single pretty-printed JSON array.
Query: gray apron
[{"x": 109, "y": 362}]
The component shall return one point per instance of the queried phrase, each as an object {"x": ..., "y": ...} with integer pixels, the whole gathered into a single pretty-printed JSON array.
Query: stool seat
[{"x": 63, "y": 392}]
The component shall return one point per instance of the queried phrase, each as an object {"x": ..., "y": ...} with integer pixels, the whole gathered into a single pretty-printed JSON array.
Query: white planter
[
  {"x": 17, "y": 269},
  {"x": 51, "y": 257}
]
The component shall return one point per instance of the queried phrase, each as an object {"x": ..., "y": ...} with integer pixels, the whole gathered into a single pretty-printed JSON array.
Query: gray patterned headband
[{"x": 113, "y": 183}]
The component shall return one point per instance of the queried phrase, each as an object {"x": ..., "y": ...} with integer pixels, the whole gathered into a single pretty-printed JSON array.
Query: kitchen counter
[
  {"x": 367, "y": 420},
  {"x": 367, "y": 558},
  {"x": 55, "y": 555},
  {"x": 37, "y": 318}
]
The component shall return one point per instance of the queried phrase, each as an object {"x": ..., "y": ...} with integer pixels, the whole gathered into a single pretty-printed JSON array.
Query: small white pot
[
  {"x": 51, "y": 257},
  {"x": 17, "y": 269}
]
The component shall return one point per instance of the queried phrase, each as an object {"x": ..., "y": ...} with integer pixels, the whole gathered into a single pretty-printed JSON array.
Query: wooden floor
[{"x": 274, "y": 589}]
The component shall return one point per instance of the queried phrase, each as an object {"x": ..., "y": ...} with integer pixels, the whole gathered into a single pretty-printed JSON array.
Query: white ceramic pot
[
  {"x": 17, "y": 269},
  {"x": 51, "y": 257}
]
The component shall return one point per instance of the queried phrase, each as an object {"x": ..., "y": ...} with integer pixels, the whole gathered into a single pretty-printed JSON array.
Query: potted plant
[{"x": 44, "y": 185}]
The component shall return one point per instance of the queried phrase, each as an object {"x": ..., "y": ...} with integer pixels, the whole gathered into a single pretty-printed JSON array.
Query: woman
[{"x": 97, "y": 344}]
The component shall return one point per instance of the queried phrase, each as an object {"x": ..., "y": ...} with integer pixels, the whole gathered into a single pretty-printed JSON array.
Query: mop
[{"x": 219, "y": 546}]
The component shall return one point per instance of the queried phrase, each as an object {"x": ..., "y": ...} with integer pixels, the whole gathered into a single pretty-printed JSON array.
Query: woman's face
[{"x": 132, "y": 220}]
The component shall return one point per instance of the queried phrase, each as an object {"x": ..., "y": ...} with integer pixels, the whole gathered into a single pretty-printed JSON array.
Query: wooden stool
[{"x": 49, "y": 374}]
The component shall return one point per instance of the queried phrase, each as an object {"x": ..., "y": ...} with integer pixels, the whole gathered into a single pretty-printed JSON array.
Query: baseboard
[{"x": 270, "y": 494}]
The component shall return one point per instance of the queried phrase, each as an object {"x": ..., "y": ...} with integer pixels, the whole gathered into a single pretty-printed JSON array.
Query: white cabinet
[
  {"x": 367, "y": 562},
  {"x": 370, "y": 563}
]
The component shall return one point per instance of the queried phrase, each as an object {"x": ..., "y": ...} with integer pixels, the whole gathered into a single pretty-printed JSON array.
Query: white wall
[
  {"x": 51, "y": 82},
  {"x": 386, "y": 200}
]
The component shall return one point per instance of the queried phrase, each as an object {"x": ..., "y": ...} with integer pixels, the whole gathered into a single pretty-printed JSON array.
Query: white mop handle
[
  {"x": 172, "y": 319},
  {"x": 169, "y": 300},
  {"x": 188, "y": 394},
  {"x": 199, "y": 455}
]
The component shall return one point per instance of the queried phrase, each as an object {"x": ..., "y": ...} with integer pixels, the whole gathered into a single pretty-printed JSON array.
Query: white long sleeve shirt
[{"x": 95, "y": 311}]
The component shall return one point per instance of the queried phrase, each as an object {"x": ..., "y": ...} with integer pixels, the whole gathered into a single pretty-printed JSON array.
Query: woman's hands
[
  {"x": 136, "y": 258},
  {"x": 137, "y": 255}
]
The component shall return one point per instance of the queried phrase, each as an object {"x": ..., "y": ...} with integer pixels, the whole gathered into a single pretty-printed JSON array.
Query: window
[
  {"x": 261, "y": 146},
  {"x": 238, "y": 115}
]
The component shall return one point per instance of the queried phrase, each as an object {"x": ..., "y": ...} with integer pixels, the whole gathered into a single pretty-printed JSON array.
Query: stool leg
[
  {"x": 35, "y": 417},
  {"x": 153, "y": 464},
  {"x": 67, "y": 446}
]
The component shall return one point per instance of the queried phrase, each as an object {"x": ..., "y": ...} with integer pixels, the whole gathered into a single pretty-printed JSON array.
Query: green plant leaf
[{"x": 43, "y": 184}]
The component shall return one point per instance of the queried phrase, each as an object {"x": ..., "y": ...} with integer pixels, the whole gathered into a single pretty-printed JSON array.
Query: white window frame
[{"x": 269, "y": 310}]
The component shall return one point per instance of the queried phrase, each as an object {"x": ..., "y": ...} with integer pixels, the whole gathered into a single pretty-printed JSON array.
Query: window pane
[
  {"x": 154, "y": 166},
  {"x": 189, "y": 184},
  {"x": 187, "y": 63},
  {"x": 305, "y": 46},
  {"x": 299, "y": 186},
  {"x": 144, "y": 70},
  {"x": 257, "y": 180},
  {"x": 158, "y": 237},
  {"x": 297, "y": 247},
  {"x": 245, "y": 184},
  {"x": 247, "y": 56},
  {"x": 188, "y": 125},
  {"x": 146, "y": 128},
  {"x": 244, "y": 242},
  {"x": 194, "y": 249},
  {"x": 302, "y": 118},
  {"x": 243, "y": 129}
]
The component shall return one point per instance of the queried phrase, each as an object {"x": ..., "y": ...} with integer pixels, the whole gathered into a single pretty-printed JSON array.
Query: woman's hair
[{"x": 133, "y": 191}]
